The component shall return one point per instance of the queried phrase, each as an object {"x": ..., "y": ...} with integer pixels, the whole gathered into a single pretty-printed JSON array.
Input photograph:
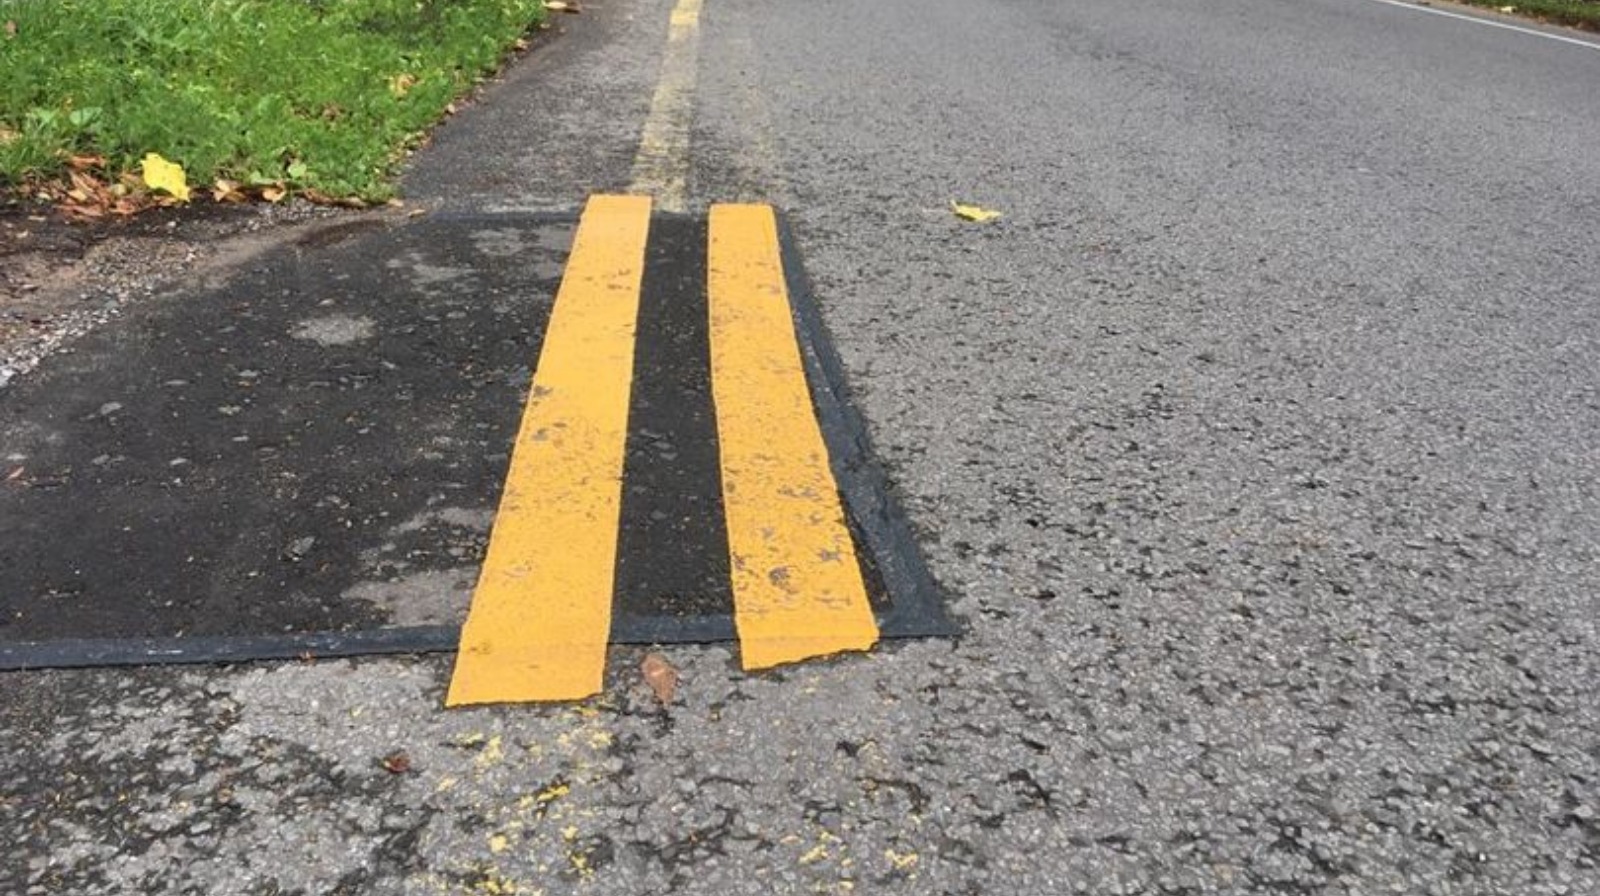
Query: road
[{"x": 1256, "y": 446}]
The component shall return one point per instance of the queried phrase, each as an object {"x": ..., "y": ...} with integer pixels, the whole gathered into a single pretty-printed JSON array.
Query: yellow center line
[
  {"x": 797, "y": 586},
  {"x": 661, "y": 166},
  {"x": 541, "y": 613}
]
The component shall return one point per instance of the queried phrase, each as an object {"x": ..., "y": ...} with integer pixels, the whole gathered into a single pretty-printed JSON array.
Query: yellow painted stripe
[
  {"x": 661, "y": 165},
  {"x": 797, "y": 586},
  {"x": 541, "y": 614}
]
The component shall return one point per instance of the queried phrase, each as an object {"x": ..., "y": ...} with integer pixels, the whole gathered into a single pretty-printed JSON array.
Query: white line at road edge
[{"x": 1403, "y": 4}]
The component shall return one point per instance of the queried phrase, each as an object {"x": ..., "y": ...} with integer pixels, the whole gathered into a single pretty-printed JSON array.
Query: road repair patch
[{"x": 309, "y": 458}]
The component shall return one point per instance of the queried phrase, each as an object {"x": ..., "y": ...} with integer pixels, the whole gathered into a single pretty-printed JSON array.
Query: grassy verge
[
  {"x": 1578, "y": 13},
  {"x": 318, "y": 95}
]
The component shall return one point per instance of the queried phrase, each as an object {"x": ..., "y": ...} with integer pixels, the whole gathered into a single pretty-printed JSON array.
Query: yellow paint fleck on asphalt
[
  {"x": 552, "y": 793},
  {"x": 797, "y": 585},
  {"x": 541, "y": 613},
  {"x": 901, "y": 861},
  {"x": 491, "y": 753}
]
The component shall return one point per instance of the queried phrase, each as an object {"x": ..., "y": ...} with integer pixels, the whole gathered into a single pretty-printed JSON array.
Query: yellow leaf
[
  {"x": 973, "y": 212},
  {"x": 400, "y": 85},
  {"x": 160, "y": 174},
  {"x": 273, "y": 193}
]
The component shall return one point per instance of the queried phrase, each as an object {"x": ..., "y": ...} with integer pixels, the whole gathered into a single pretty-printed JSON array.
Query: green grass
[
  {"x": 314, "y": 94},
  {"x": 1579, "y": 13}
]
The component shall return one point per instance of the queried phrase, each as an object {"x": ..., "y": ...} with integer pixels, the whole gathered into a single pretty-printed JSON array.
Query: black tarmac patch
[{"x": 305, "y": 460}]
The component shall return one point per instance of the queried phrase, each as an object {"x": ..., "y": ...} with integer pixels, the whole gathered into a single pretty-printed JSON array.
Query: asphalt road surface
[{"x": 1256, "y": 446}]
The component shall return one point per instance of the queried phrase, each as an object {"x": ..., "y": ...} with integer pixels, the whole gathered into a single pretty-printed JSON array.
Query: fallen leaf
[
  {"x": 273, "y": 193},
  {"x": 396, "y": 763},
  {"x": 84, "y": 211},
  {"x": 562, "y": 6},
  {"x": 83, "y": 186},
  {"x": 168, "y": 177},
  {"x": 400, "y": 85},
  {"x": 15, "y": 474},
  {"x": 321, "y": 198},
  {"x": 225, "y": 190},
  {"x": 660, "y": 676},
  {"x": 85, "y": 162},
  {"x": 973, "y": 212}
]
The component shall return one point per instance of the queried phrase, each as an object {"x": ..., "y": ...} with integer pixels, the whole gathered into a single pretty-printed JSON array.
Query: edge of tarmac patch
[
  {"x": 917, "y": 606},
  {"x": 884, "y": 537}
]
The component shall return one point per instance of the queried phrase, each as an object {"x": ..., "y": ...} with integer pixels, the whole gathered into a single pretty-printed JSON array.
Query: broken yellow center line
[
  {"x": 661, "y": 165},
  {"x": 541, "y": 613},
  {"x": 797, "y": 586}
]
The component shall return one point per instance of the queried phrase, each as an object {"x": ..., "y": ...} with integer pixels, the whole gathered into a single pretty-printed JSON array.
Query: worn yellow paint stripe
[
  {"x": 797, "y": 585},
  {"x": 541, "y": 613},
  {"x": 661, "y": 166}
]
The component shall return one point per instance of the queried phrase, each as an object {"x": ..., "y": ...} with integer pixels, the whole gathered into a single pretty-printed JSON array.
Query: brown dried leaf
[
  {"x": 85, "y": 188},
  {"x": 274, "y": 193},
  {"x": 15, "y": 474},
  {"x": 312, "y": 194},
  {"x": 224, "y": 190},
  {"x": 85, "y": 162},
  {"x": 660, "y": 675},
  {"x": 396, "y": 763},
  {"x": 85, "y": 212}
]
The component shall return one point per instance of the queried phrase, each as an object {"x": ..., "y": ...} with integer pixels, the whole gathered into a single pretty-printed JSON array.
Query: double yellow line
[{"x": 541, "y": 614}]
